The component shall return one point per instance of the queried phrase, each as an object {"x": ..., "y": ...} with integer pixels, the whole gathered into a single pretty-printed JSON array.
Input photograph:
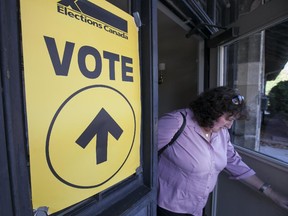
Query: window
[{"x": 255, "y": 65}]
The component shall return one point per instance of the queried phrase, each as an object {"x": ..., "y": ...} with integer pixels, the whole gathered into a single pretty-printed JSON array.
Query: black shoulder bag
[{"x": 176, "y": 135}]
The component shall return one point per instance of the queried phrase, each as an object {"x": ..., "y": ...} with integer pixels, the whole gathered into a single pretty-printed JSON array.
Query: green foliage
[
  {"x": 283, "y": 75},
  {"x": 278, "y": 99}
]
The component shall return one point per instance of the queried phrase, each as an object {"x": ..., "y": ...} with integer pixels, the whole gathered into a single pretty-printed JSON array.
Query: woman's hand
[
  {"x": 277, "y": 198},
  {"x": 257, "y": 183}
]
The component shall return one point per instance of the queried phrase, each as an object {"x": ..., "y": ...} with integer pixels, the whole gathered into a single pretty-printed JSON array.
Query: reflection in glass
[
  {"x": 255, "y": 65},
  {"x": 274, "y": 130}
]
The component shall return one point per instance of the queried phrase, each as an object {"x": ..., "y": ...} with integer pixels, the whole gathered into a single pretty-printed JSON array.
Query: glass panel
[
  {"x": 255, "y": 66},
  {"x": 274, "y": 131}
]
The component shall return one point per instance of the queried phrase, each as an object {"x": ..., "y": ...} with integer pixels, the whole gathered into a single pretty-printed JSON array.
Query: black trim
[
  {"x": 6, "y": 207},
  {"x": 149, "y": 80},
  {"x": 13, "y": 110}
]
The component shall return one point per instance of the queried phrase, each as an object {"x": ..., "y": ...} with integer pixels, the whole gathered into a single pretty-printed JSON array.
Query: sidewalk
[
  {"x": 281, "y": 154},
  {"x": 274, "y": 137}
]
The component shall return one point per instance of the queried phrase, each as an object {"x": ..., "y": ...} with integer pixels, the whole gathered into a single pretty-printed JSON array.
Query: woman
[{"x": 188, "y": 169}]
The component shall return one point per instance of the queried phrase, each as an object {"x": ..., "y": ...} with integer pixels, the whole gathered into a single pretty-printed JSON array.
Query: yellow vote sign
[{"x": 82, "y": 93}]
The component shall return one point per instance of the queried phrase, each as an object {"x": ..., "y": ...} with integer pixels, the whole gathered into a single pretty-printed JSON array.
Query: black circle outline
[{"x": 51, "y": 127}]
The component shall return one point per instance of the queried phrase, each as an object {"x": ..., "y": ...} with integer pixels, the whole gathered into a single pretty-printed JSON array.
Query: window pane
[
  {"x": 255, "y": 66},
  {"x": 274, "y": 130}
]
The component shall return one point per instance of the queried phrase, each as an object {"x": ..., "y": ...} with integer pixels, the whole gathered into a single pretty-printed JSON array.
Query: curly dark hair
[{"x": 213, "y": 103}]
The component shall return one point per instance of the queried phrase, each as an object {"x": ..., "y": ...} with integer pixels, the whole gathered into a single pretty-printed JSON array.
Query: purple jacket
[{"x": 188, "y": 170}]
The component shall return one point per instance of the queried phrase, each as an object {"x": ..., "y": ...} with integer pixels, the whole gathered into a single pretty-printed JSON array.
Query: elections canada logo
[{"x": 94, "y": 15}]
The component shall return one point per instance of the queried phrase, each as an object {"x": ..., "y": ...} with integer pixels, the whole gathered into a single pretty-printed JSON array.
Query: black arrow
[{"x": 100, "y": 126}]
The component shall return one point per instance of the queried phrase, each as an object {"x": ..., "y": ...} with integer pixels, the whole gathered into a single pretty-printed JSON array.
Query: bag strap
[{"x": 176, "y": 135}]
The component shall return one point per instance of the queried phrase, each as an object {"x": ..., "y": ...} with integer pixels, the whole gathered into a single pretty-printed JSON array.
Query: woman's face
[{"x": 224, "y": 121}]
